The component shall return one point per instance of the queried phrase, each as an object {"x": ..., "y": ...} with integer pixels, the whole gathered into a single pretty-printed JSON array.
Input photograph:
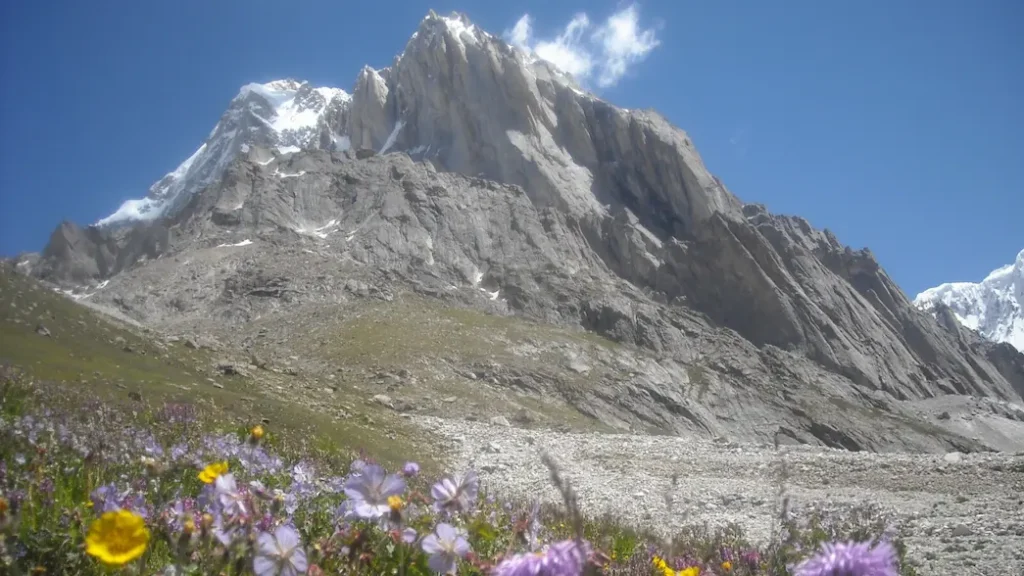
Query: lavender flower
[
  {"x": 565, "y": 558},
  {"x": 177, "y": 512},
  {"x": 850, "y": 559},
  {"x": 369, "y": 491},
  {"x": 456, "y": 494},
  {"x": 105, "y": 499},
  {"x": 231, "y": 499},
  {"x": 410, "y": 469},
  {"x": 224, "y": 532},
  {"x": 445, "y": 545},
  {"x": 280, "y": 553}
]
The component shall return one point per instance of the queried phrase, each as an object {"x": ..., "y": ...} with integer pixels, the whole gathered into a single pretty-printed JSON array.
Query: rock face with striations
[{"x": 468, "y": 163}]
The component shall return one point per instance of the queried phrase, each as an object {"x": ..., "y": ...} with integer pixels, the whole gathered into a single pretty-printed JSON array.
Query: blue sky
[{"x": 898, "y": 125}]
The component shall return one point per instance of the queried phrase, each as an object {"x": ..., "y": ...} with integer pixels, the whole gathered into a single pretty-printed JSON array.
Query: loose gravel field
[{"x": 959, "y": 513}]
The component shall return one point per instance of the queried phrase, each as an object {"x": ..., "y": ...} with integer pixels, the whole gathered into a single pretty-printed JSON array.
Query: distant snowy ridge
[
  {"x": 285, "y": 115},
  {"x": 993, "y": 307}
]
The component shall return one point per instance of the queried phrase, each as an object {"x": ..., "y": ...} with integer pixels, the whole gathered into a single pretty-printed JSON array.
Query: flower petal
[
  {"x": 431, "y": 545},
  {"x": 287, "y": 538}
]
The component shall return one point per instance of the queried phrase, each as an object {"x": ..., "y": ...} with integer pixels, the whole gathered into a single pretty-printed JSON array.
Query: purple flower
[
  {"x": 410, "y": 469},
  {"x": 179, "y": 451},
  {"x": 346, "y": 512},
  {"x": 105, "y": 499},
  {"x": 850, "y": 559},
  {"x": 456, "y": 494},
  {"x": 280, "y": 553},
  {"x": 369, "y": 491},
  {"x": 408, "y": 535},
  {"x": 751, "y": 558},
  {"x": 231, "y": 499},
  {"x": 565, "y": 558},
  {"x": 176, "y": 513},
  {"x": 302, "y": 473},
  {"x": 224, "y": 532},
  {"x": 445, "y": 545},
  {"x": 46, "y": 490}
]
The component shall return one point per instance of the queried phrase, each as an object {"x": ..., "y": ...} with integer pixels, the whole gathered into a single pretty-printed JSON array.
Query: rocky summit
[{"x": 619, "y": 281}]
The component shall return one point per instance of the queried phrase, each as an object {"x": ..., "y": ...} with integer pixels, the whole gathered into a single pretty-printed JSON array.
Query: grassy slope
[
  {"x": 85, "y": 354},
  {"x": 436, "y": 346}
]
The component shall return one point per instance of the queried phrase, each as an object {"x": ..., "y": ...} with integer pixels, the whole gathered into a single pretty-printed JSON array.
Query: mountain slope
[
  {"x": 473, "y": 174},
  {"x": 993, "y": 307}
]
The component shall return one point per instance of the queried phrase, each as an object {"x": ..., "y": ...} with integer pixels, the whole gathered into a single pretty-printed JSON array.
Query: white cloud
[{"x": 608, "y": 52}]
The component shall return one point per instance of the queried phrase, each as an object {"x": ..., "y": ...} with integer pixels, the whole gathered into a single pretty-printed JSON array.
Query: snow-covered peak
[
  {"x": 283, "y": 115},
  {"x": 293, "y": 106},
  {"x": 993, "y": 307}
]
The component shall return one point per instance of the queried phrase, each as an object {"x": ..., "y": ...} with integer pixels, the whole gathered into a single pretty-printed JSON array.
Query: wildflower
[
  {"x": 567, "y": 557},
  {"x": 213, "y": 471},
  {"x": 410, "y": 469},
  {"x": 691, "y": 571},
  {"x": 117, "y": 538},
  {"x": 280, "y": 553},
  {"x": 840, "y": 559},
  {"x": 662, "y": 566},
  {"x": 445, "y": 545},
  {"x": 395, "y": 503},
  {"x": 224, "y": 532},
  {"x": 751, "y": 558},
  {"x": 726, "y": 566},
  {"x": 370, "y": 490},
  {"x": 228, "y": 495},
  {"x": 105, "y": 499},
  {"x": 256, "y": 433},
  {"x": 457, "y": 493}
]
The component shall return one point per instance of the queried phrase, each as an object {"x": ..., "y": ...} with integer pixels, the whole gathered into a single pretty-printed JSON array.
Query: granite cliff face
[{"x": 472, "y": 174}]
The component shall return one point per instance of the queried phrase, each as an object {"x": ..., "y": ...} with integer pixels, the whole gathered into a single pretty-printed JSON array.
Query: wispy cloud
[
  {"x": 606, "y": 52},
  {"x": 740, "y": 141}
]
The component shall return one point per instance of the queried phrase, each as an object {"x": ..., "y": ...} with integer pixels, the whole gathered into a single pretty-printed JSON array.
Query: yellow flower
[
  {"x": 212, "y": 471},
  {"x": 117, "y": 538},
  {"x": 662, "y": 567},
  {"x": 727, "y": 566},
  {"x": 691, "y": 571},
  {"x": 395, "y": 502},
  {"x": 256, "y": 432}
]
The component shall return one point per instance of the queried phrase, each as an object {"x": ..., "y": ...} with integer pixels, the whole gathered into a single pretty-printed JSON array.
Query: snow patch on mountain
[
  {"x": 284, "y": 115},
  {"x": 993, "y": 307}
]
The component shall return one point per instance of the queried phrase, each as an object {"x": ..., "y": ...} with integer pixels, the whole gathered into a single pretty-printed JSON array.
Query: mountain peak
[
  {"x": 993, "y": 307},
  {"x": 287, "y": 115}
]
